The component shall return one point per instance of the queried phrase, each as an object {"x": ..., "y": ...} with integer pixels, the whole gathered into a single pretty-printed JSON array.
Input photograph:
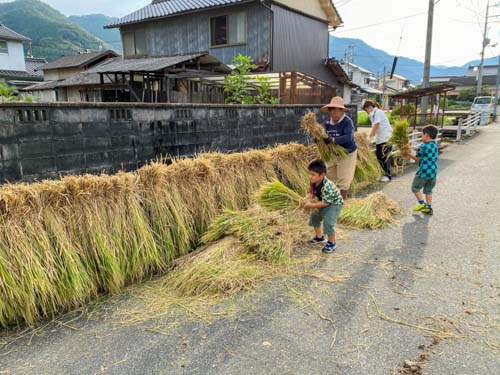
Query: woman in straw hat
[{"x": 340, "y": 130}]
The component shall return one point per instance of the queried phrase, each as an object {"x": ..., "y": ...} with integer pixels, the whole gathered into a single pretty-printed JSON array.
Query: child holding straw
[
  {"x": 427, "y": 159},
  {"x": 326, "y": 209},
  {"x": 382, "y": 131},
  {"x": 340, "y": 130}
]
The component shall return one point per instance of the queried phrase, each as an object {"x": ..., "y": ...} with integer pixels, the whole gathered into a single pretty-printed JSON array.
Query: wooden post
[
  {"x": 459, "y": 129},
  {"x": 282, "y": 89},
  {"x": 293, "y": 88}
]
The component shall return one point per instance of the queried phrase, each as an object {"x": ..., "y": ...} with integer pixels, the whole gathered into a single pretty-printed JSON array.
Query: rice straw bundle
[
  {"x": 254, "y": 229},
  {"x": 368, "y": 168},
  {"x": 290, "y": 163},
  {"x": 275, "y": 196},
  {"x": 376, "y": 211},
  {"x": 329, "y": 152},
  {"x": 401, "y": 136},
  {"x": 221, "y": 268}
]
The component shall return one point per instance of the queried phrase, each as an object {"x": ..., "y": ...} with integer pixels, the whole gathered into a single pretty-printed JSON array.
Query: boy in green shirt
[{"x": 327, "y": 207}]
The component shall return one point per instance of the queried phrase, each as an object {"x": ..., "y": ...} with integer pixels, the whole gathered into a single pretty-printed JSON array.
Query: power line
[{"x": 381, "y": 23}]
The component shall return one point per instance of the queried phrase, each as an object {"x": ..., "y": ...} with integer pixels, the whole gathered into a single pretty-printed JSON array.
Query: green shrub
[{"x": 363, "y": 118}]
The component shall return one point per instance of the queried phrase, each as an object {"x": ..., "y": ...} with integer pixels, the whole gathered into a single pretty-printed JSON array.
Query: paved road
[{"x": 419, "y": 298}]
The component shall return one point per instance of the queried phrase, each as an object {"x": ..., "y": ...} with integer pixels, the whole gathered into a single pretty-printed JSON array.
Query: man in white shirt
[{"x": 382, "y": 131}]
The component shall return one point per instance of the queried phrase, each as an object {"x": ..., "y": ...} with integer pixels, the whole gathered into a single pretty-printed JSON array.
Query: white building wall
[
  {"x": 347, "y": 94},
  {"x": 14, "y": 59}
]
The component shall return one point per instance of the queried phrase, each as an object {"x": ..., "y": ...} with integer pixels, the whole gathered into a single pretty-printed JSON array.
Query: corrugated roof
[
  {"x": 18, "y": 74},
  {"x": 165, "y": 8},
  {"x": 85, "y": 79},
  {"x": 6, "y": 33},
  {"x": 32, "y": 63},
  {"x": 151, "y": 64},
  {"x": 162, "y": 8},
  {"x": 47, "y": 85},
  {"x": 77, "y": 60}
]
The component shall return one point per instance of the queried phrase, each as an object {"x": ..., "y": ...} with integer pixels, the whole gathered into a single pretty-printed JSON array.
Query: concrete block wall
[{"x": 39, "y": 141}]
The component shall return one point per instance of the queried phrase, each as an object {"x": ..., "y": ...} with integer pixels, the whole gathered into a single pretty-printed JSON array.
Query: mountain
[
  {"x": 374, "y": 60},
  {"x": 53, "y": 34},
  {"x": 94, "y": 24}
]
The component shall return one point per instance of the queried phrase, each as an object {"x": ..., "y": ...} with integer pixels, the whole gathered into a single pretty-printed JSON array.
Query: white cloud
[{"x": 116, "y": 8}]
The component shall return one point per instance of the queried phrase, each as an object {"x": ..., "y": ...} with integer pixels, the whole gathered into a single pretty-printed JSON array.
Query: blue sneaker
[
  {"x": 318, "y": 239},
  {"x": 329, "y": 247}
]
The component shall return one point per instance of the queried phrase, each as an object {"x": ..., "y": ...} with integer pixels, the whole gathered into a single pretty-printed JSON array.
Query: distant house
[
  {"x": 488, "y": 70},
  {"x": 55, "y": 72},
  {"x": 15, "y": 69},
  {"x": 469, "y": 80},
  {"x": 361, "y": 77},
  {"x": 286, "y": 36},
  {"x": 393, "y": 85}
]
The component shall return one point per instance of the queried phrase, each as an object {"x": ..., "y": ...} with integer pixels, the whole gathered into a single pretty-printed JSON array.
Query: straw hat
[{"x": 336, "y": 102}]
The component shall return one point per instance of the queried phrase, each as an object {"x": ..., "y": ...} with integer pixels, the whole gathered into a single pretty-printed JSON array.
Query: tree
[
  {"x": 239, "y": 88},
  {"x": 6, "y": 93},
  {"x": 237, "y": 83}
]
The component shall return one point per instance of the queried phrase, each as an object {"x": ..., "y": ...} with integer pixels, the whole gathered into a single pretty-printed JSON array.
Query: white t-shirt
[{"x": 384, "y": 131}]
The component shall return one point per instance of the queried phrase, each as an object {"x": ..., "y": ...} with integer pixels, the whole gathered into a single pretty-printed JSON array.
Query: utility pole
[
  {"x": 496, "y": 90},
  {"x": 485, "y": 43},
  {"x": 427, "y": 62},
  {"x": 383, "y": 89}
]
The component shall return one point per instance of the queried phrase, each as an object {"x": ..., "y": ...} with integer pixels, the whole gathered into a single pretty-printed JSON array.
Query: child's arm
[{"x": 315, "y": 205}]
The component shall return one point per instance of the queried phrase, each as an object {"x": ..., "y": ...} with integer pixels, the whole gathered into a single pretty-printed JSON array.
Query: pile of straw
[
  {"x": 368, "y": 168},
  {"x": 63, "y": 243},
  {"x": 401, "y": 136},
  {"x": 328, "y": 152},
  {"x": 376, "y": 211}
]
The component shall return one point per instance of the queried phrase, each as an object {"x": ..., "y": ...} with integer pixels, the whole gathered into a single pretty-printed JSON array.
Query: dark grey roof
[
  {"x": 19, "y": 74},
  {"x": 85, "y": 79},
  {"x": 77, "y": 60},
  {"x": 32, "y": 63},
  {"x": 47, "y": 85},
  {"x": 165, "y": 8},
  {"x": 472, "y": 81},
  {"x": 6, "y": 33},
  {"x": 152, "y": 64}
]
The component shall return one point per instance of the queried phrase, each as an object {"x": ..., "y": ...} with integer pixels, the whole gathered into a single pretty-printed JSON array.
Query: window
[
  {"x": 367, "y": 81},
  {"x": 3, "y": 47},
  {"x": 134, "y": 43},
  {"x": 228, "y": 29}
]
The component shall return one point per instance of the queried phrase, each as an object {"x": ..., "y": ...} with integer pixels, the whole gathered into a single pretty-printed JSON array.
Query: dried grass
[
  {"x": 368, "y": 168},
  {"x": 373, "y": 212},
  {"x": 400, "y": 137},
  {"x": 328, "y": 152}
]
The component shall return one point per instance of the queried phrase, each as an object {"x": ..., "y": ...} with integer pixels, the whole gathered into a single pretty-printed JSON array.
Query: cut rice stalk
[
  {"x": 401, "y": 136},
  {"x": 329, "y": 152},
  {"x": 376, "y": 211},
  {"x": 275, "y": 196}
]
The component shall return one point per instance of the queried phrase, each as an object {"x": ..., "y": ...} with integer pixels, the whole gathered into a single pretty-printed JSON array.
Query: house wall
[
  {"x": 46, "y": 140},
  {"x": 57, "y": 74},
  {"x": 73, "y": 94},
  {"x": 300, "y": 44},
  {"x": 191, "y": 33},
  {"x": 310, "y": 7},
  {"x": 46, "y": 96},
  {"x": 14, "y": 59}
]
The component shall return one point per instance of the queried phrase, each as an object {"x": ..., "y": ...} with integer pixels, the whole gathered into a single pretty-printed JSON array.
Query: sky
[{"x": 457, "y": 34}]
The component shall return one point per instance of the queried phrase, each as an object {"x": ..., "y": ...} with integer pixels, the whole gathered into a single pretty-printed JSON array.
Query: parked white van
[{"x": 484, "y": 105}]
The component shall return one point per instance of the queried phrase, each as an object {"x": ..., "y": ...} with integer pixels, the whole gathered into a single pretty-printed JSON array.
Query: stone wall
[{"x": 40, "y": 141}]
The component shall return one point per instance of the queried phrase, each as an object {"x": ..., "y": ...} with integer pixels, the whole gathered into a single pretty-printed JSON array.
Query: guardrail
[{"x": 470, "y": 125}]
